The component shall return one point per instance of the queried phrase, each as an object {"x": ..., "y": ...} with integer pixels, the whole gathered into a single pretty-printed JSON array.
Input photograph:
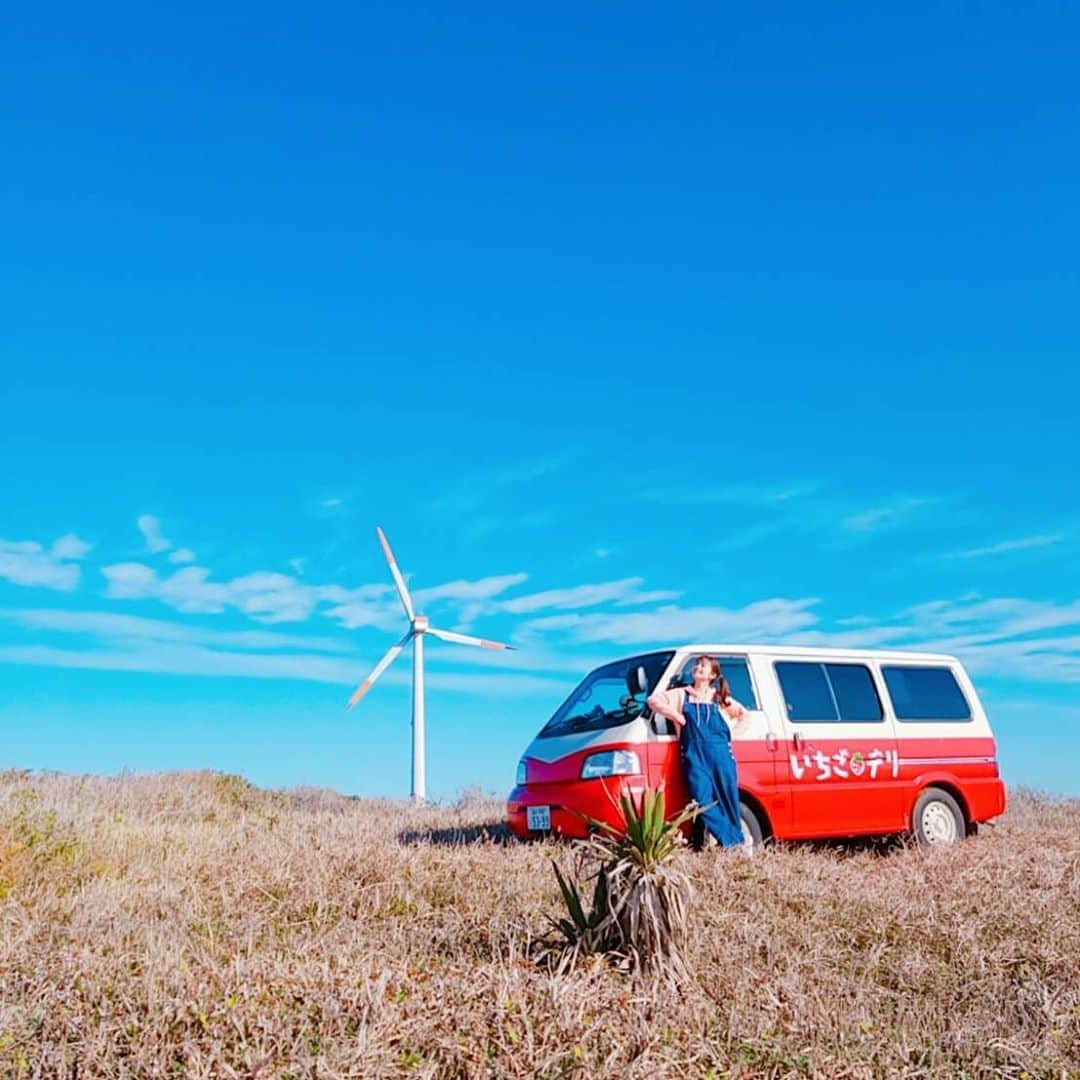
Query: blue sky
[{"x": 628, "y": 324}]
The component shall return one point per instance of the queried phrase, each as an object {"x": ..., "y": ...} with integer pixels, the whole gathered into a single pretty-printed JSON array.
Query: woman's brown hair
[{"x": 723, "y": 691}]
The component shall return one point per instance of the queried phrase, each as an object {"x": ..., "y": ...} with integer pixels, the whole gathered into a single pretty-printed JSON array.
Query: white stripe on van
[{"x": 948, "y": 760}]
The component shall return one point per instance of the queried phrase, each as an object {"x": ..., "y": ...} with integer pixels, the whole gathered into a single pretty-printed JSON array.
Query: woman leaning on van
[{"x": 701, "y": 714}]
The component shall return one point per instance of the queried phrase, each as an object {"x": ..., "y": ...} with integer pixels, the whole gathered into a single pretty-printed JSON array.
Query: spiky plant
[{"x": 641, "y": 895}]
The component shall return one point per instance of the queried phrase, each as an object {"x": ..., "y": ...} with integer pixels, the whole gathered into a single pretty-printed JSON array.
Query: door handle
[
  {"x": 797, "y": 741},
  {"x": 770, "y": 742}
]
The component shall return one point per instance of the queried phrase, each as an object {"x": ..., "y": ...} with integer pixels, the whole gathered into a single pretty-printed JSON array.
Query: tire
[
  {"x": 937, "y": 820},
  {"x": 753, "y": 834}
]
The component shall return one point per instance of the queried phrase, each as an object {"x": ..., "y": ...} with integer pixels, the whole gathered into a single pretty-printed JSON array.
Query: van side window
[
  {"x": 925, "y": 693},
  {"x": 734, "y": 669},
  {"x": 828, "y": 693},
  {"x": 855, "y": 693}
]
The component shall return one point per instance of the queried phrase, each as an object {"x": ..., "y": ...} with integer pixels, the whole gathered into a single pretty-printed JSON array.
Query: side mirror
[{"x": 637, "y": 682}]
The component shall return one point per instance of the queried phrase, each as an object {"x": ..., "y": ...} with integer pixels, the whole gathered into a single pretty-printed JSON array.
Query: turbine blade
[
  {"x": 399, "y": 581},
  {"x": 465, "y": 639},
  {"x": 379, "y": 668}
]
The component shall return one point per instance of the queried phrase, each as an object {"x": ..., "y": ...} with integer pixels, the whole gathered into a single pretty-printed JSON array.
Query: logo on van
[{"x": 843, "y": 764}]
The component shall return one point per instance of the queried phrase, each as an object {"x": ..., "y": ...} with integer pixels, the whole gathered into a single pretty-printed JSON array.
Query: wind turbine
[{"x": 418, "y": 627}]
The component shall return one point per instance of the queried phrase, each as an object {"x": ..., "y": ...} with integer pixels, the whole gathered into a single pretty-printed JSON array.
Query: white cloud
[
  {"x": 764, "y": 620},
  {"x": 624, "y": 591},
  {"x": 1024, "y": 543},
  {"x": 264, "y": 596},
  {"x": 69, "y": 546},
  {"x": 182, "y": 555},
  {"x": 1002, "y": 616},
  {"x": 189, "y": 659},
  {"x": 569, "y": 599},
  {"x": 468, "y": 591},
  {"x": 150, "y": 527},
  {"x": 365, "y": 605},
  {"x": 191, "y": 590},
  {"x": 1000, "y": 637},
  {"x": 1003, "y": 637},
  {"x": 26, "y": 562},
  {"x": 130, "y": 581},
  {"x": 270, "y": 597},
  {"x": 115, "y": 627},
  {"x": 648, "y": 596}
]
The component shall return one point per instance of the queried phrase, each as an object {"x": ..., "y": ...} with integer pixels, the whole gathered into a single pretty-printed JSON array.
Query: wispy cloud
[
  {"x": 264, "y": 595},
  {"x": 97, "y": 628},
  {"x": 167, "y": 658},
  {"x": 1024, "y": 543},
  {"x": 745, "y": 495},
  {"x": 622, "y": 592},
  {"x": 1002, "y": 616},
  {"x": 150, "y": 527},
  {"x": 182, "y": 555},
  {"x": 764, "y": 620},
  {"x": 886, "y": 515},
  {"x": 26, "y": 562},
  {"x": 761, "y": 512},
  {"x": 489, "y": 501},
  {"x": 1002, "y": 637},
  {"x": 740, "y": 536},
  {"x": 469, "y": 591},
  {"x": 272, "y": 597},
  {"x": 113, "y": 627}
]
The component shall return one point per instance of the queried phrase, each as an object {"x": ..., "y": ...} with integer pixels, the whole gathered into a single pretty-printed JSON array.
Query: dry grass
[{"x": 189, "y": 925}]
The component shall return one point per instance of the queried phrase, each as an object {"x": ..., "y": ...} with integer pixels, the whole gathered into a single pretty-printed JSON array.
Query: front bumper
[{"x": 574, "y": 804}]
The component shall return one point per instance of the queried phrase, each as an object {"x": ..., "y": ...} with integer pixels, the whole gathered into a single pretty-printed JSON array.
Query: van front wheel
[
  {"x": 937, "y": 819},
  {"x": 751, "y": 827}
]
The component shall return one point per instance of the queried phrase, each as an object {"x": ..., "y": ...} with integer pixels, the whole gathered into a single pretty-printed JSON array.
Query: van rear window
[
  {"x": 925, "y": 693},
  {"x": 828, "y": 693}
]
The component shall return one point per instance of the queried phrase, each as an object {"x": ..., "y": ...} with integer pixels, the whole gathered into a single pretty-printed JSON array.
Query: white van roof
[{"x": 809, "y": 651}]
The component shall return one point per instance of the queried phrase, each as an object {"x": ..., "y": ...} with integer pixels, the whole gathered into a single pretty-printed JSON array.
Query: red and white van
[{"x": 834, "y": 743}]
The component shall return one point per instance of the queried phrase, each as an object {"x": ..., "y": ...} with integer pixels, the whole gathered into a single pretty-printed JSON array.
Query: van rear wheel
[
  {"x": 937, "y": 819},
  {"x": 753, "y": 835}
]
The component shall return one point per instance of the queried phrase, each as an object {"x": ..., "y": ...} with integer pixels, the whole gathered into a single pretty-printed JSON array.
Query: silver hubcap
[
  {"x": 938, "y": 824},
  {"x": 747, "y": 838}
]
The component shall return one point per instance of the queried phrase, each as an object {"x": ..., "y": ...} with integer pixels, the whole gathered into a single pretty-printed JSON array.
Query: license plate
[{"x": 538, "y": 818}]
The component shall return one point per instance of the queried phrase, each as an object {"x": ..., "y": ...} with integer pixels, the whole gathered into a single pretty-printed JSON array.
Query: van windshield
[{"x": 604, "y": 700}]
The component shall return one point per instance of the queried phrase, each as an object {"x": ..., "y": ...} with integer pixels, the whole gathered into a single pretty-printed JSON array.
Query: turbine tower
[{"x": 418, "y": 627}]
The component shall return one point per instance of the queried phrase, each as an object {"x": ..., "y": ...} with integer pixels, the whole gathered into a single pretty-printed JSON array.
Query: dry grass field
[{"x": 189, "y": 925}]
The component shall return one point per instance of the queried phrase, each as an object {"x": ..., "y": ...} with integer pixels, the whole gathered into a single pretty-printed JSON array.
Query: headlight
[
  {"x": 611, "y": 763},
  {"x": 521, "y": 772}
]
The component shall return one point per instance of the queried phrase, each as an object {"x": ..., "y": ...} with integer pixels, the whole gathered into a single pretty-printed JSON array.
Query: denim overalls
[{"x": 709, "y": 769}]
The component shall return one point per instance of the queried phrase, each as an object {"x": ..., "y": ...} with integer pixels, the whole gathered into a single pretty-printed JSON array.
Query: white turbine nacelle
[{"x": 419, "y": 625}]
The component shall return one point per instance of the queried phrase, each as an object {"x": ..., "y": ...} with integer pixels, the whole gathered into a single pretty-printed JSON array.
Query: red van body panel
[
  {"x": 575, "y": 802},
  {"x": 797, "y": 807}
]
